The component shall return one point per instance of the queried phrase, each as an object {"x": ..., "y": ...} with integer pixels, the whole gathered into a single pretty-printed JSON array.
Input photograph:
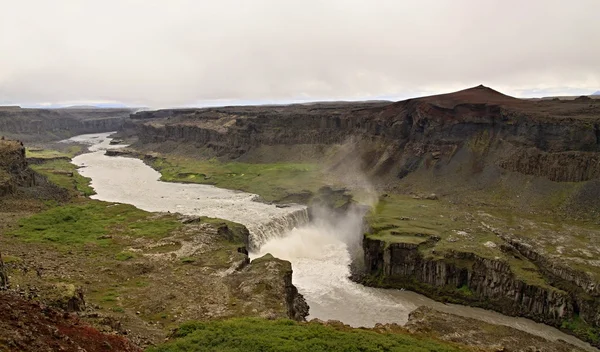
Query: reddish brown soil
[{"x": 29, "y": 326}]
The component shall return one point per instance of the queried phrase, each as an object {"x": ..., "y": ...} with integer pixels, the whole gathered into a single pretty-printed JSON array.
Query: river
[{"x": 318, "y": 251}]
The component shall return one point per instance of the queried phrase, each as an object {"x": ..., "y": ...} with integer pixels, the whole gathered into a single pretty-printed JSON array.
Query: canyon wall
[
  {"x": 466, "y": 278},
  {"x": 55, "y": 124},
  {"x": 557, "y": 140}
]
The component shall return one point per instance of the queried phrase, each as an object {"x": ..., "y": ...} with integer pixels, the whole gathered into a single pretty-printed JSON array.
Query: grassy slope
[
  {"x": 90, "y": 222},
  {"x": 69, "y": 152},
  {"x": 271, "y": 181},
  {"x": 250, "y": 335},
  {"x": 64, "y": 174}
]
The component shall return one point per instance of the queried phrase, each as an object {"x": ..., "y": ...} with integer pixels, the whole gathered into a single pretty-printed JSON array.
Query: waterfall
[{"x": 276, "y": 227}]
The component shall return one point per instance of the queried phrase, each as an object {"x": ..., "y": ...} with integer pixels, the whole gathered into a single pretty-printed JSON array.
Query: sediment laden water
[
  {"x": 319, "y": 251},
  {"x": 128, "y": 180},
  {"x": 280, "y": 226}
]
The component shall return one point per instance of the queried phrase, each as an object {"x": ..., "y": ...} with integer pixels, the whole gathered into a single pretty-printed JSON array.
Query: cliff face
[
  {"x": 543, "y": 138},
  {"x": 53, "y": 124},
  {"x": 488, "y": 283},
  {"x": 14, "y": 171}
]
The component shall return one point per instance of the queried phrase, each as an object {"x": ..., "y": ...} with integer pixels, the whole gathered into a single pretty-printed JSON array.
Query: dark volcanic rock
[
  {"x": 14, "y": 170},
  {"x": 490, "y": 282},
  {"x": 396, "y": 138},
  {"x": 464, "y": 277},
  {"x": 56, "y": 124}
]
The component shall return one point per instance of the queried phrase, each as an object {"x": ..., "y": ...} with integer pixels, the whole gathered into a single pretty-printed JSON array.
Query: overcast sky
[{"x": 180, "y": 52}]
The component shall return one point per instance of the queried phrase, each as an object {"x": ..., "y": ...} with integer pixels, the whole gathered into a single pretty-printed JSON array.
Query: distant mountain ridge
[{"x": 596, "y": 92}]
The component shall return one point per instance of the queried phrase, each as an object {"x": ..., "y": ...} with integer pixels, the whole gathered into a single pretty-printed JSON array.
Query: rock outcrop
[
  {"x": 14, "y": 170},
  {"x": 276, "y": 275},
  {"x": 29, "y": 326},
  {"x": 489, "y": 283}
]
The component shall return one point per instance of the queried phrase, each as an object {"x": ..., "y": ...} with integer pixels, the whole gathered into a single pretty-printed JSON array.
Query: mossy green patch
[
  {"x": 125, "y": 255},
  {"x": 93, "y": 222},
  {"x": 404, "y": 219},
  {"x": 44, "y": 153},
  {"x": 65, "y": 175},
  {"x": 251, "y": 334},
  {"x": 581, "y": 328},
  {"x": 465, "y": 290},
  {"x": 272, "y": 181}
]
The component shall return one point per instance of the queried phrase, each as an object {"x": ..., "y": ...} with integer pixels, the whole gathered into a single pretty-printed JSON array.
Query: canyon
[
  {"x": 478, "y": 148},
  {"x": 43, "y": 125},
  {"x": 472, "y": 197}
]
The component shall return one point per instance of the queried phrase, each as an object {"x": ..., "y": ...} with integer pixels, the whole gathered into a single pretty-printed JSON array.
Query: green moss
[
  {"x": 272, "y": 181},
  {"x": 250, "y": 335},
  {"x": 581, "y": 328},
  {"x": 38, "y": 153},
  {"x": 403, "y": 219},
  {"x": 465, "y": 290},
  {"x": 44, "y": 154},
  {"x": 64, "y": 174},
  {"x": 110, "y": 297},
  {"x": 187, "y": 260},
  {"x": 125, "y": 255},
  {"x": 393, "y": 237},
  {"x": 92, "y": 222}
]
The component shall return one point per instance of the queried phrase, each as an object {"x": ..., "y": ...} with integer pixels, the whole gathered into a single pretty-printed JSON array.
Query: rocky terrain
[
  {"x": 42, "y": 125},
  {"x": 13, "y": 167},
  {"x": 474, "y": 332},
  {"x": 30, "y": 326},
  {"x": 478, "y": 198},
  {"x": 505, "y": 169},
  {"x": 122, "y": 270}
]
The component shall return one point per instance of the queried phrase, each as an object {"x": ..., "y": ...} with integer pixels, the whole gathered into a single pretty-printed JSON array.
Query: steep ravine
[{"x": 469, "y": 279}]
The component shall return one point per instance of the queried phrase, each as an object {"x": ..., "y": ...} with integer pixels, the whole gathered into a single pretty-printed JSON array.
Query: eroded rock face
[
  {"x": 557, "y": 140},
  {"x": 56, "y": 124},
  {"x": 489, "y": 283},
  {"x": 14, "y": 170},
  {"x": 267, "y": 283}
]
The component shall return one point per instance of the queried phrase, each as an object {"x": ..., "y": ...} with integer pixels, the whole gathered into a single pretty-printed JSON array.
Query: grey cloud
[{"x": 180, "y": 52}]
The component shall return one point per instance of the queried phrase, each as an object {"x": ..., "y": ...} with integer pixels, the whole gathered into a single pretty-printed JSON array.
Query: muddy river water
[{"x": 318, "y": 251}]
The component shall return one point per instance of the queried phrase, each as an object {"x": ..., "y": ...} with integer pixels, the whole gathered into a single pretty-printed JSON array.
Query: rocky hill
[
  {"x": 14, "y": 171},
  {"x": 54, "y": 124},
  {"x": 509, "y": 171}
]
